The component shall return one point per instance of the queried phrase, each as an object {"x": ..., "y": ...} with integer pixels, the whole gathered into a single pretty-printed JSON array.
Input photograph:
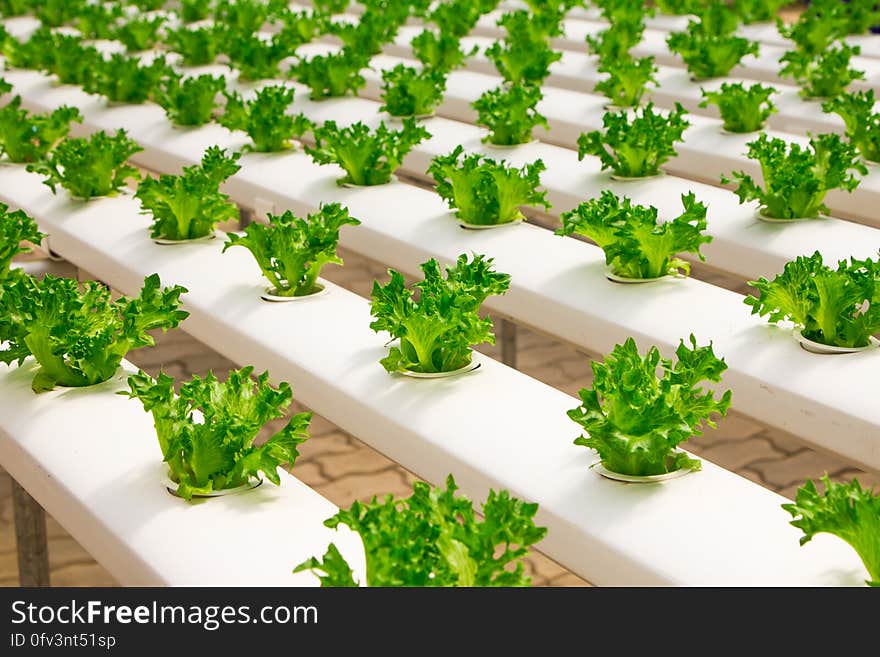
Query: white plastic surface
[
  {"x": 90, "y": 457},
  {"x": 494, "y": 428}
]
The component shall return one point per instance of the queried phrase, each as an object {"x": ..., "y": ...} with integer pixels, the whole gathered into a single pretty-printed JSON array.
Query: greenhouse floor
[{"x": 343, "y": 469}]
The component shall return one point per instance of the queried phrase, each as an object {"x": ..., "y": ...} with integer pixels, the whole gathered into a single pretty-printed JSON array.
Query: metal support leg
[
  {"x": 245, "y": 217},
  {"x": 507, "y": 335},
  {"x": 30, "y": 536}
]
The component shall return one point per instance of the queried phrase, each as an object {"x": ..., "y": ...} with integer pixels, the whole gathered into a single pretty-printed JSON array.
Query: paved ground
[{"x": 343, "y": 469}]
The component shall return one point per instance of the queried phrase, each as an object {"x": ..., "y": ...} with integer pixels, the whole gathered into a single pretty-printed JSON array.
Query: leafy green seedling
[
  {"x": 636, "y": 419},
  {"x": 436, "y": 332}
]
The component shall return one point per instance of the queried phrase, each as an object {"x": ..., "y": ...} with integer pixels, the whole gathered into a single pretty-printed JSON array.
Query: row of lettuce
[
  {"x": 611, "y": 430},
  {"x": 710, "y": 48},
  {"x": 484, "y": 192},
  {"x": 523, "y": 58},
  {"x": 631, "y": 145},
  {"x": 633, "y": 417}
]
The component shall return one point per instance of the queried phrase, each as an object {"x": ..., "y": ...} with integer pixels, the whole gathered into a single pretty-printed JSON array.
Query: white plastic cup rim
[
  {"x": 639, "y": 479},
  {"x": 508, "y": 147},
  {"x": 818, "y": 348},
  {"x": 268, "y": 294},
  {"x": 611, "y": 276},
  {"x": 469, "y": 226},
  {"x": 350, "y": 185},
  {"x": 620, "y": 178},
  {"x": 470, "y": 367},
  {"x": 775, "y": 220},
  {"x": 167, "y": 242},
  {"x": 255, "y": 482}
]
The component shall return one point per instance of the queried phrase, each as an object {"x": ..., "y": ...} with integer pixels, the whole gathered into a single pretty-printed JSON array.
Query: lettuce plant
[
  {"x": 89, "y": 166},
  {"x": 207, "y": 432},
  {"x": 299, "y": 27},
  {"x": 679, "y": 7},
  {"x": 331, "y": 75},
  {"x": 368, "y": 157},
  {"x": 832, "y": 307},
  {"x": 255, "y": 57},
  {"x": 862, "y": 123},
  {"x": 616, "y": 40},
  {"x": 509, "y": 113},
  {"x": 758, "y": 11},
  {"x": 848, "y": 511},
  {"x": 559, "y": 6},
  {"x": 408, "y": 91},
  {"x": 145, "y": 5},
  {"x": 436, "y": 331},
  {"x": 485, "y": 192},
  {"x": 194, "y": 10},
  {"x": 124, "y": 79},
  {"x": 55, "y": 13},
  {"x": 139, "y": 32},
  {"x": 15, "y": 229},
  {"x": 623, "y": 11},
  {"x": 524, "y": 56},
  {"x": 292, "y": 251},
  {"x": 247, "y": 16},
  {"x": 522, "y": 62},
  {"x": 627, "y": 79},
  {"x": 635, "y": 145},
  {"x": 853, "y": 16},
  {"x": 331, "y": 6},
  {"x": 434, "y": 538},
  {"x": 636, "y": 245},
  {"x": 190, "y": 205},
  {"x": 816, "y": 29},
  {"x": 189, "y": 100},
  {"x": 372, "y": 31},
  {"x": 709, "y": 56},
  {"x": 98, "y": 21},
  {"x": 36, "y": 52},
  {"x": 826, "y": 75},
  {"x": 26, "y": 137},
  {"x": 457, "y": 17},
  {"x": 79, "y": 337},
  {"x": 636, "y": 419},
  {"x": 440, "y": 51},
  {"x": 265, "y": 118},
  {"x": 532, "y": 26},
  {"x": 70, "y": 61},
  {"x": 742, "y": 110},
  {"x": 197, "y": 46},
  {"x": 15, "y": 7},
  {"x": 796, "y": 179}
]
